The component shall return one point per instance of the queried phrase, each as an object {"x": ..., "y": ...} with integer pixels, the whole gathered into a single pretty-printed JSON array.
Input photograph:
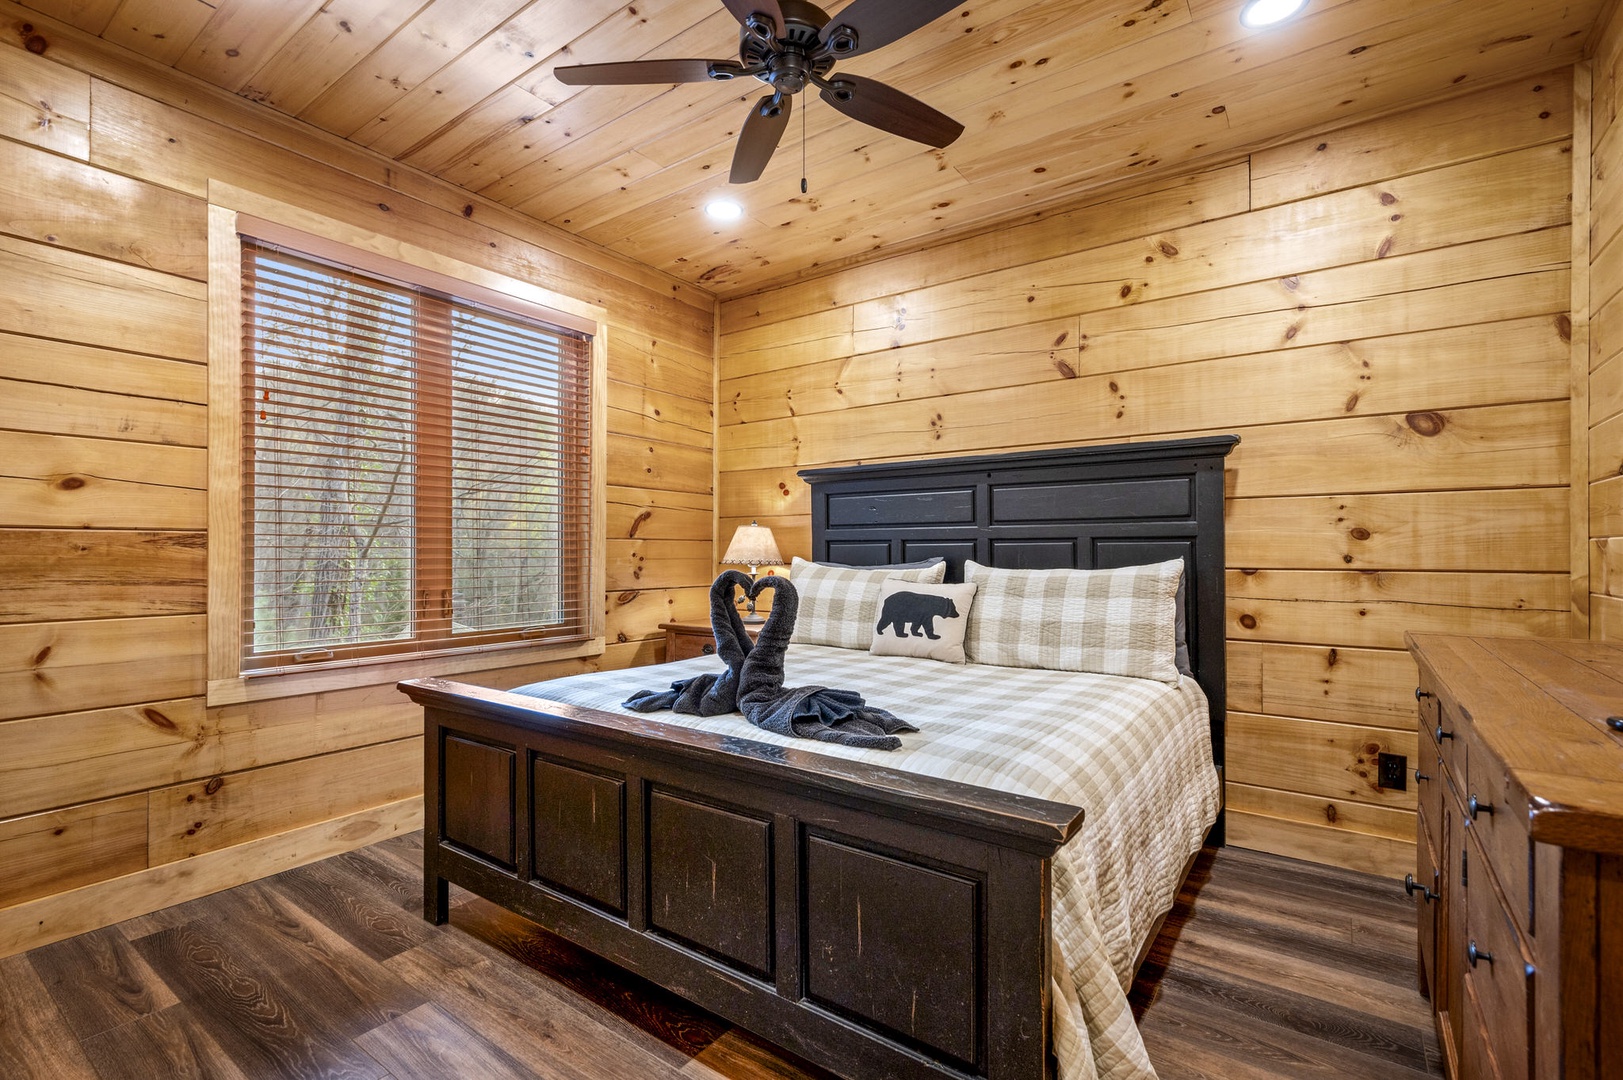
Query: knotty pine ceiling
[{"x": 1058, "y": 98}]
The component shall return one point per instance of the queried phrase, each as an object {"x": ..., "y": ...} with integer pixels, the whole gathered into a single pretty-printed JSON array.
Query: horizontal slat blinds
[{"x": 416, "y": 468}]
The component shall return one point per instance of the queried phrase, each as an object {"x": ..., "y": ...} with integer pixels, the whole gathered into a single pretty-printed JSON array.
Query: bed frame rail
[{"x": 878, "y": 923}]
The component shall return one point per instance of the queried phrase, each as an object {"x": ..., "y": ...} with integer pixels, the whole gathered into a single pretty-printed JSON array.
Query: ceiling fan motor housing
[{"x": 795, "y": 56}]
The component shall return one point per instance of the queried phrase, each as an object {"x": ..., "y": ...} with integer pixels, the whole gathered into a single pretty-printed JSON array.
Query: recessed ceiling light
[
  {"x": 1260, "y": 13},
  {"x": 723, "y": 210}
]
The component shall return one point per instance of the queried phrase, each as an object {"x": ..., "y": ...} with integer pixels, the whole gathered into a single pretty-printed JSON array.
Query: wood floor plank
[
  {"x": 120, "y": 988},
  {"x": 535, "y": 1020},
  {"x": 1238, "y": 1029},
  {"x": 256, "y": 1022},
  {"x": 425, "y": 1044},
  {"x": 171, "y": 1044},
  {"x": 355, "y": 907},
  {"x": 321, "y": 972},
  {"x": 669, "y": 1019},
  {"x": 739, "y": 1054},
  {"x": 32, "y": 1040}
]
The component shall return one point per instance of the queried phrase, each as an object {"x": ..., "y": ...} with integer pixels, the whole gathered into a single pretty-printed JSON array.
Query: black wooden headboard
[{"x": 1084, "y": 507}]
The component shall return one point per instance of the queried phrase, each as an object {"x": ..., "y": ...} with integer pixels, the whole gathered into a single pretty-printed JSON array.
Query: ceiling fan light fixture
[
  {"x": 723, "y": 210},
  {"x": 1260, "y": 13}
]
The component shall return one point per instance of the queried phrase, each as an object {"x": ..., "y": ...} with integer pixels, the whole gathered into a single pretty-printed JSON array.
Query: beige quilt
[{"x": 1135, "y": 754}]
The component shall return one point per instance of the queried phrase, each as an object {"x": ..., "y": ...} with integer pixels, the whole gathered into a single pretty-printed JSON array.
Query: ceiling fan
[{"x": 790, "y": 44}]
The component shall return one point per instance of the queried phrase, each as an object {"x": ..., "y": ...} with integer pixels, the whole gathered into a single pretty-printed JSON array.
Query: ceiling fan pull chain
[{"x": 803, "y": 148}]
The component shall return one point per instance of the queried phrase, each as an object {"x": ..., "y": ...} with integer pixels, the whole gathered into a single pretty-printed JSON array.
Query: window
[{"x": 416, "y": 467}]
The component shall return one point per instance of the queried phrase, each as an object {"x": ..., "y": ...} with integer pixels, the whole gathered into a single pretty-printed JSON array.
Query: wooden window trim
[{"x": 232, "y": 212}]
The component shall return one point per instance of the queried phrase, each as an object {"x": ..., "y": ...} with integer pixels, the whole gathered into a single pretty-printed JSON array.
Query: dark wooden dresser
[{"x": 1520, "y": 856}]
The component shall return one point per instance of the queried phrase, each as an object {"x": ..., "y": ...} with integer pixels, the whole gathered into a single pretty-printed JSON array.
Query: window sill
[{"x": 383, "y": 670}]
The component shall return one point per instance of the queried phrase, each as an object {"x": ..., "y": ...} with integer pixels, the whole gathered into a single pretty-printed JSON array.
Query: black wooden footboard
[{"x": 876, "y": 923}]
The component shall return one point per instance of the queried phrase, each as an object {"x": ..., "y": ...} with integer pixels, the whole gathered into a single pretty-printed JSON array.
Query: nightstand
[{"x": 684, "y": 640}]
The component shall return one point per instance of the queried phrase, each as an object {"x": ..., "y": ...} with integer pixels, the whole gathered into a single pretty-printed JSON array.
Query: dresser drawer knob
[
  {"x": 1615, "y": 723},
  {"x": 1421, "y": 695},
  {"x": 709, "y": 648},
  {"x": 1473, "y": 954},
  {"x": 1439, "y": 734},
  {"x": 1420, "y": 777},
  {"x": 1410, "y": 885},
  {"x": 1477, "y": 806}
]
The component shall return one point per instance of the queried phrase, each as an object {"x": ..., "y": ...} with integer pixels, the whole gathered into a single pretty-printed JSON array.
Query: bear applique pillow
[{"x": 917, "y": 619}]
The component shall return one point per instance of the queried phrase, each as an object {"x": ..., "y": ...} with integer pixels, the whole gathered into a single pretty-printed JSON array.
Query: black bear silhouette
[{"x": 914, "y": 614}]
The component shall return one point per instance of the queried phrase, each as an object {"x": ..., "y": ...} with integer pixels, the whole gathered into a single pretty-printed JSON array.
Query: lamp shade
[{"x": 753, "y": 546}]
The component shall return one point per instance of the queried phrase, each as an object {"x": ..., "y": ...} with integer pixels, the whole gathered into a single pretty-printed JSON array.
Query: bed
[{"x": 917, "y": 915}]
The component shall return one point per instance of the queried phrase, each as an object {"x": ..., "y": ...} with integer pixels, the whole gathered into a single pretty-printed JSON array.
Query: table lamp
[{"x": 753, "y": 546}]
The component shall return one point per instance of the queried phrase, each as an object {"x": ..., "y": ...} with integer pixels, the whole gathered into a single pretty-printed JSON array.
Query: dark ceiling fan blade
[
  {"x": 873, "y": 24},
  {"x": 627, "y": 72},
  {"x": 743, "y": 9},
  {"x": 762, "y": 130},
  {"x": 888, "y": 109}
]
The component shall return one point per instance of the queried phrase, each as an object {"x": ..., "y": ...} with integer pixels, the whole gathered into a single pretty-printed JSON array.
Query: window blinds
[{"x": 416, "y": 468}]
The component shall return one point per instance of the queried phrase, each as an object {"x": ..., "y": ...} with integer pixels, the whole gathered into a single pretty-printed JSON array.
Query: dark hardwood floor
[{"x": 1267, "y": 968}]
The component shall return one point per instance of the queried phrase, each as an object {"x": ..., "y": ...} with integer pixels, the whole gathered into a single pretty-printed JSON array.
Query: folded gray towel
[
  {"x": 805, "y": 712},
  {"x": 707, "y": 694},
  {"x": 756, "y": 681}
]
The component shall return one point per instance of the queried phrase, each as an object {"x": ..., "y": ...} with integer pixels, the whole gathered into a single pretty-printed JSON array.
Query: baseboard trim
[{"x": 51, "y": 918}]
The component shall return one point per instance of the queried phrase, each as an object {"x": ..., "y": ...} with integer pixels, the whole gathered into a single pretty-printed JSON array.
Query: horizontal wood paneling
[
  {"x": 54, "y": 574},
  {"x": 1470, "y": 530},
  {"x": 1330, "y": 842},
  {"x": 92, "y": 663},
  {"x": 46, "y": 106},
  {"x": 1314, "y": 757},
  {"x": 104, "y": 500},
  {"x": 51, "y": 852},
  {"x": 1375, "y": 610},
  {"x": 1526, "y": 113},
  {"x": 1385, "y": 322},
  {"x": 68, "y": 758},
  {"x": 48, "y": 761},
  {"x": 55, "y": 481},
  {"x": 66, "y": 203},
  {"x": 224, "y": 811},
  {"x": 1371, "y": 687},
  {"x": 92, "y": 301}
]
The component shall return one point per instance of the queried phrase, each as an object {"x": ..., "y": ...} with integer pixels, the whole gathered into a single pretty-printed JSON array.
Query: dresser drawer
[
  {"x": 1501, "y": 828},
  {"x": 1498, "y": 972},
  {"x": 1476, "y": 1061},
  {"x": 1430, "y": 783},
  {"x": 1447, "y": 733},
  {"x": 1428, "y": 894}
]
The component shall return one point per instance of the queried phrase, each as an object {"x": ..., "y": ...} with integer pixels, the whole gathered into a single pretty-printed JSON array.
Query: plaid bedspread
[{"x": 1135, "y": 754}]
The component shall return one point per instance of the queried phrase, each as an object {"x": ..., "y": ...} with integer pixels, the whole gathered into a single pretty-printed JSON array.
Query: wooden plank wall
[
  {"x": 1380, "y": 312},
  {"x": 1605, "y": 367},
  {"x": 119, "y": 789}
]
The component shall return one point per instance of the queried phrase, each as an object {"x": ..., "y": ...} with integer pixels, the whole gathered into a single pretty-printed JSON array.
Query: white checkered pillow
[
  {"x": 1111, "y": 622},
  {"x": 839, "y": 605}
]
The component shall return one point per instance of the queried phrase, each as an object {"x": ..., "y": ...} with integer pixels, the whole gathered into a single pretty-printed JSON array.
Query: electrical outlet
[{"x": 1393, "y": 771}]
